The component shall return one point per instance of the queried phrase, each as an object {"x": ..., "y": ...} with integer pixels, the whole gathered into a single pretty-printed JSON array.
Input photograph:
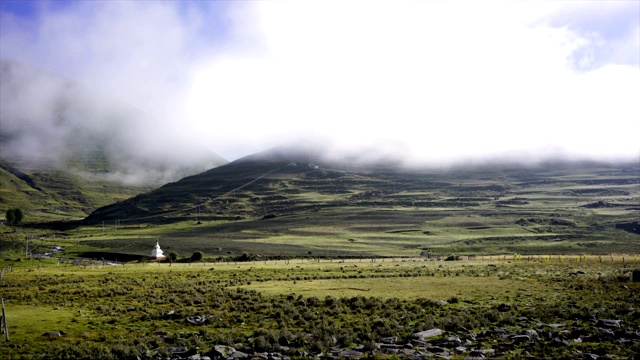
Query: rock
[
  {"x": 409, "y": 354},
  {"x": 389, "y": 340},
  {"x": 419, "y": 343},
  {"x": 460, "y": 350},
  {"x": 606, "y": 334},
  {"x": 441, "y": 302},
  {"x": 564, "y": 334},
  {"x": 531, "y": 333},
  {"x": 502, "y": 331},
  {"x": 390, "y": 346},
  {"x": 284, "y": 341},
  {"x": 239, "y": 355},
  {"x": 504, "y": 307},
  {"x": 168, "y": 339},
  {"x": 180, "y": 351},
  {"x": 438, "y": 350},
  {"x": 454, "y": 340},
  {"x": 427, "y": 334},
  {"x": 609, "y": 323},
  {"x": 557, "y": 342},
  {"x": 482, "y": 353},
  {"x": 554, "y": 326},
  {"x": 221, "y": 351},
  {"x": 197, "y": 320},
  {"x": 171, "y": 315},
  {"x": 520, "y": 338},
  {"x": 351, "y": 354},
  {"x": 52, "y": 334}
]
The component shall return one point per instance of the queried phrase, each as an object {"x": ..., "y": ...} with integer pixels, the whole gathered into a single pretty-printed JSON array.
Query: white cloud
[{"x": 447, "y": 80}]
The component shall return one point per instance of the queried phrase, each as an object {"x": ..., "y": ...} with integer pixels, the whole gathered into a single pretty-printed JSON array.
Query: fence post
[{"x": 4, "y": 322}]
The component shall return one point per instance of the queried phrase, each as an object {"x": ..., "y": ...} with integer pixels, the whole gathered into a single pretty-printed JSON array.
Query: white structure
[{"x": 156, "y": 253}]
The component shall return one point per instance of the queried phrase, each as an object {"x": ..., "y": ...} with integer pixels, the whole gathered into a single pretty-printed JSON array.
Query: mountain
[
  {"x": 49, "y": 194},
  {"x": 67, "y": 148},
  {"x": 217, "y": 190},
  {"x": 283, "y": 189}
]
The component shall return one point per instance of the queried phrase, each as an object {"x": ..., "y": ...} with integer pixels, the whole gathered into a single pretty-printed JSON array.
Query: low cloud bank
[{"x": 425, "y": 82}]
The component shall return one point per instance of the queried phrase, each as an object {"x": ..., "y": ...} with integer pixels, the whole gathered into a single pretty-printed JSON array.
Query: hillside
[
  {"x": 280, "y": 202},
  {"x": 67, "y": 148},
  {"x": 49, "y": 194}
]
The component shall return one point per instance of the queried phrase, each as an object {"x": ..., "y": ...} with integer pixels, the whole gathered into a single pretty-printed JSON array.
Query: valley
[{"x": 337, "y": 261}]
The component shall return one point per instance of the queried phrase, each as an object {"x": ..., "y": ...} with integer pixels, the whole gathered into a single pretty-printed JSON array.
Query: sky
[{"x": 429, "y": 81}]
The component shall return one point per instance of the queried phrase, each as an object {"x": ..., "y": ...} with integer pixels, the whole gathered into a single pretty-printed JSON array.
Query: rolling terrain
[
  {"x": 289, "y": 203},
  {"x": 308, "y": 258}
]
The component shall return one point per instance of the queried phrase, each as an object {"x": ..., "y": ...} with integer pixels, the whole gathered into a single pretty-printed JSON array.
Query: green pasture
[{"x": 118, "y": 311}]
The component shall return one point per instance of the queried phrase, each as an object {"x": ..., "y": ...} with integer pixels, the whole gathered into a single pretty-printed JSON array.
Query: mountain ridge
[{"x": 282, "y": 174}]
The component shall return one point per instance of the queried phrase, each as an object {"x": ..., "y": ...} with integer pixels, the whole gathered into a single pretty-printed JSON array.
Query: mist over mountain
[{"x": 48, "y": 121}]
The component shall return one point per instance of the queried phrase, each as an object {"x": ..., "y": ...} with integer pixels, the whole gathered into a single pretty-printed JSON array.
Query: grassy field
[
  {"x": 270, "y": 209},
  {"x": 300, "y": 262},
  {"x": 324, "y": 306}
]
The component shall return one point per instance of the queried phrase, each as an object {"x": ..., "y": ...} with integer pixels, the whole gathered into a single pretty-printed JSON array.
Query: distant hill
[
  {"x": 49, "y": 194},
  {"x": 293, "y": 181},
  {"x": 67, "y": 149}
]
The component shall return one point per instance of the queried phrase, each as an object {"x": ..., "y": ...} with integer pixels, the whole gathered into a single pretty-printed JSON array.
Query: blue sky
[{"x": 433, "y": 81}]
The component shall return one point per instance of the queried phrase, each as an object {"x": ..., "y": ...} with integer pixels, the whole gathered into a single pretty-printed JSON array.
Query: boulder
[
  {"x": 239, "y": 355},
  {"x": 351, "y": 354},
  {"x": 197, "y": 320},
  {"x": 221, "y": 351},
  {"x": 609, "y": 323},
  {"x": 482, "y": 353},
  {"x": 520, "y": 338},
  {"x": 52, "y": 334},
  {"x": 504, "y": 307},
  {"x": 453, "y": 340},
  {"x": 422, "y": 335},
  {"x": 389, "y": 340},
  {"x": 557, "y": 342}
]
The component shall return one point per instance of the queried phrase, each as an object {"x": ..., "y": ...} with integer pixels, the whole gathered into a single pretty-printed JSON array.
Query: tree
[
  {"x": 197, "y": 256},
  {"x": 14, "y": 216},
  {"x": 173, "y": 257},
  {"x": 18, "y": 215},
  {"x": 10, "y": 216}
]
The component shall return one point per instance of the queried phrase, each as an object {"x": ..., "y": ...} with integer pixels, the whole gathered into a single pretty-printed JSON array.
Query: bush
[
  {"x": 14, "y": 216},
  {"x": 197, "y": 256}
]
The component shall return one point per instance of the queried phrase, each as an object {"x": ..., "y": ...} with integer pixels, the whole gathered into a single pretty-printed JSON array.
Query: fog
[{"x": 424, "y": 82}]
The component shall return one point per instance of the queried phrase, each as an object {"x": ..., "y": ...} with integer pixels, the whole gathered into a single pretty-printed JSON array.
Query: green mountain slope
[
  {"x": 50, "y": 194},
  {"x": 293, "y": 200}
]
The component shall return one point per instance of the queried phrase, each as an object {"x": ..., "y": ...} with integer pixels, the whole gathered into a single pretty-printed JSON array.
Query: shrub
[{"x": 197, "y": 256}]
